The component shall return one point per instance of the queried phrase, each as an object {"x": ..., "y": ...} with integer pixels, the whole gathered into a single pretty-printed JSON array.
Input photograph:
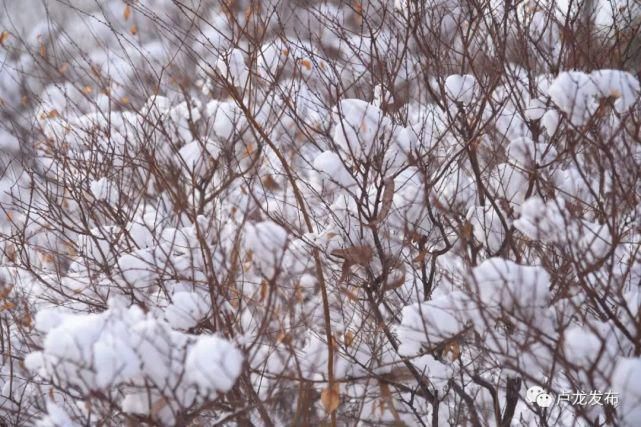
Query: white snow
[
  {"x": 125, "y": 346},
  {"x": 461, "y": 88},
  {"x": 186, "y": 310},
  {"x": 626, "y": 384},
  {"x": 573, "y": 93},
  {"x": 527, "y": 153},
  {"x": 550, "y": 121},
  {"x": 332, "y": 168},
  {"x": 509, "y": 285},
  {"x": 213, "y": 364},
  {"x": 540, "y": 220},
  {"x": 431, "y": 322},
  {"x": 226, "y": 118},
  {"x": 620, "y": 85},
  {"x": 104, "y": 189},
  {"x": 357, "y": 124},
  {"x": 267, "y": 242},
  {"x": 232, "y": 66}
]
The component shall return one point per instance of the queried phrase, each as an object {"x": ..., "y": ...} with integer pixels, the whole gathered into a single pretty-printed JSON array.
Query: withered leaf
[
  {"x": 4, "y": 36},
  {"x": 348, "y": 338},
  {"x": 330, "y": 398},
  {"x": 395, "y": 279},
  {"x": 306, "y": 63},
  {"x": 467, "y": 231},
  {"x": 452, "y": 350},
  {"x": 7, "y": 305},
  {"x": 26, "y": 320},
  {"x": 158, "y": 406},
  {"x": 10, "y": 252},
  {"x": 355, "y": 255},
  {"x": 264, "y": 290},
  {"x": 270, "y": 183},
  {"x": 388, "y": 197},
  {"x": 386, "y": 395},
  {"x": 420, "y": 258},
  {"x": 5, "y": 291},
  {"x": 350, "y": 295},
  {"x": 284, "y": 337},
  {"x": 63, "y": 68},
  {"x": 50, "y": 115},
  {"x": 126, "y": 14}
]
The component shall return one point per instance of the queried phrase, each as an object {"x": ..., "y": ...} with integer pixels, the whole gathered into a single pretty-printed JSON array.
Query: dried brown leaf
[
  {"x": 7, "y": 305},
  {"x": 388, "y": 197},
  {"x": 158, "y": 406},
  {"x": 27, "y": 320},
  {"x": 11, "y": 252},
  {"x": 306, "y": 63},
  {"x": 467, "y": 231},
  {"x": 264, "y": 290},
  {"x": 284, "y": 337},
  {"x": 50, "y": 115},
  {"x": 355, "y": 255},
  {"x": 420, "y": 258},
  {"x": 4, "y": 36},
  {"x": 452, "y": 350},
  {"x": 348, "y": 338},
  {"x": 270, "y": 183},
  {"x": 126, "y": 14},
  {"x": 352, "y": 296},
  {"x": 330, "y": 398},
  {"x": 63, "y": 68},
  {"x": 395, "y": 279}
]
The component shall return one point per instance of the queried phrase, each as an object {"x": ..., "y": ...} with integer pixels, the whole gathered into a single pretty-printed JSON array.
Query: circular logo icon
[
  {"x": 534, "y": 392},
  {"x": 544, "y": 400}
]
